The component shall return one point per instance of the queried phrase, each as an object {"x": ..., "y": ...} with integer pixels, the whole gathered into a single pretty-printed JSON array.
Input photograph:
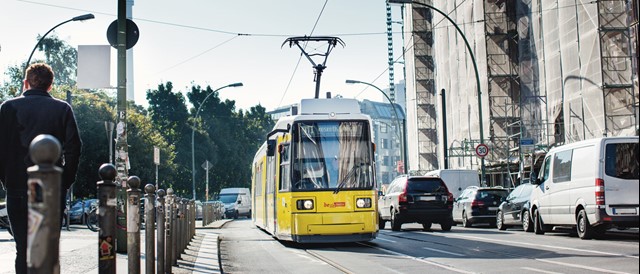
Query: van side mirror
[
  {"x": 380, "y": 193},
  {"x": 239, "y": 201}
]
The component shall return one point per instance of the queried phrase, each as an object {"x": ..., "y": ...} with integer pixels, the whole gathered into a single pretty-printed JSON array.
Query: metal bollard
[
  {"x": 174, "y": 231},
  {"x": 161, "y": 231},
  {"x": 169, "y": 244},
  {"x": 133, "y": 224},
  {"x": 107, "y": 219},
  {"x": 43, "y": 239},
  {"x": 150, "y": 236},
  {"x": 178, "y": 231}
]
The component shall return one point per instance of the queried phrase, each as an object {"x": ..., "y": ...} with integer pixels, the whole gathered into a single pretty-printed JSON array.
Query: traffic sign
[{"x": 482, "y": 150}]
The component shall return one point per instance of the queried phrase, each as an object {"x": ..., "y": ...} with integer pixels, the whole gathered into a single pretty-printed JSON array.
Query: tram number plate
[{"x": 427, "y": 198}]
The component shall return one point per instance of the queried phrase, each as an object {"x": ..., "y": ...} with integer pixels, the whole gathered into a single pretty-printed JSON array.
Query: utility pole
[{"x": 122, "y": 154}]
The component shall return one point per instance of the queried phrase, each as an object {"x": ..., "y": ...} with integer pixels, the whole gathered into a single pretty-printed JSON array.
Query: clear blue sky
[{"x": 195, "y": 42}]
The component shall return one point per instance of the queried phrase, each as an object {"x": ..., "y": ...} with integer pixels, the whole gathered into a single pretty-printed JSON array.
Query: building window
[{"x": 383, "y": 128}]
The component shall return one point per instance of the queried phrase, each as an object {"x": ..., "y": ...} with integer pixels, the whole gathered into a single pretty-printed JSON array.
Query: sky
[{"x": 196, "y": 42}]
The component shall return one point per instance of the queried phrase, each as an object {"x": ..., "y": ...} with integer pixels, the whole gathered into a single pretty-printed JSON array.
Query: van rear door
[{"x": 621, "y": 170}]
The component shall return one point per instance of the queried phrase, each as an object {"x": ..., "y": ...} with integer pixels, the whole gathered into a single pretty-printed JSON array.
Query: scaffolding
[{"x": 427, "y": 123}]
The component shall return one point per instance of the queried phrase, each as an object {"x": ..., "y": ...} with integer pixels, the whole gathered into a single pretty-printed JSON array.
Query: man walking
[{"x": 23, "y": 118}]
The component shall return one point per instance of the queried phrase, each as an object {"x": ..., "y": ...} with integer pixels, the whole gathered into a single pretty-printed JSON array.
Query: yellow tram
[{"x": 313, "y": 180}]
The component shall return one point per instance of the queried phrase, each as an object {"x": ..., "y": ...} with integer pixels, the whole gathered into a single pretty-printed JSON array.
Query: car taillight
[
  {"x": 599, "y": 191},
  {"x": 477, "y": 203},
  {"x": 402, "y": 197},
  {"x": 449, "y": 197}
]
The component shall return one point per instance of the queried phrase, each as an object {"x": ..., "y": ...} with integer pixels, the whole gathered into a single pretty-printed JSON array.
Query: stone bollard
[
  {"x": 43, "y": 238},
  {"x": 107, "y": 219},
  {"x": 150, "y": 236},
  {"x": 161, "y": 231},
  {"x": 133, "y": 224}
]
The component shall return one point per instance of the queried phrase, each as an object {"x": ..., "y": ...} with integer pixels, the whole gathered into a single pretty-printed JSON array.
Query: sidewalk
[{"x": 79, "y": 253}]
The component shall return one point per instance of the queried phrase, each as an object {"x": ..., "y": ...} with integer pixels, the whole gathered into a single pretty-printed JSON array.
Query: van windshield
[
  {"x": 229, "y": 198},
  {"x": 621, "y": 161}
]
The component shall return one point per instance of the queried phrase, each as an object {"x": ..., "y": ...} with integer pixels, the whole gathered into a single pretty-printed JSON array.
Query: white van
[
  {"x": 591, "y": 185},
  {"x": 237, "y": 202},
  {"x": 456, "y": 180}
]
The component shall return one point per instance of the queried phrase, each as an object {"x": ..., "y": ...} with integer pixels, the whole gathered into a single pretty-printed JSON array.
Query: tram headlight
[
  {"x": 363, "y": 202},
  {"x": 304, "y": 204}
]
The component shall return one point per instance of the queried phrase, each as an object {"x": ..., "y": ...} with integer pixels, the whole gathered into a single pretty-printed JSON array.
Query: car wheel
[
  {"x": 465, "y": 220},
  {"x": 500, "y": 221},
  {"x": 381, "y": 223},
  {"x": 426, "y": 226},
  {"x": 537, "y": 223},
  {"x": 235, "y": 216},
  {"x": 395, "y": 223},
  {"x": 446, "y": 226},
  {"x": 526, "y": 221}
]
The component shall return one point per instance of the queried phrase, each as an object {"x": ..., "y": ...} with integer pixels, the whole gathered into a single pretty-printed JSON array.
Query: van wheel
[
  {"x": 584, "y": 228},
  {"x": 381, "y": 223},
  {"x": 500, "y": 221},
  {"x": 395, "y": 223},
  {"x": 537, "y": 223},
  {"x": 426, "y": 226},
  {"x": 465, "y": 220},
  {"x": 526, "y": 221}
]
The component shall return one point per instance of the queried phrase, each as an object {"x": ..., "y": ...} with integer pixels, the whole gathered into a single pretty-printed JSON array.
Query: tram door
[{"x": 269, "y": 199}]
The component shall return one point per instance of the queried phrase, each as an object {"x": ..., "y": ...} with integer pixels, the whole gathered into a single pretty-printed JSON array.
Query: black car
[
  {"x": 416, "y": 199},
  {"x": 478, "y": 205},
  {"x": 514, "y": 210}
]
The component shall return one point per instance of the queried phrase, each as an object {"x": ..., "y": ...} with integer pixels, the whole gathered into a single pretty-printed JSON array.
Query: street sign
[
  {"x": 156, "y": 155},
  {"x": 482, "y": 150},
  {"x": 527, "y": 145},
  {"x": 206, "y": 165}
]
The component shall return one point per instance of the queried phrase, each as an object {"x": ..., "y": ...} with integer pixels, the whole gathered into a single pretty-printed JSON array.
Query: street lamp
[
  {"x": 475, "y": 68},
  {"x": 404, "y": 133},
  {"x": 77, "y": 18},
  {"x": 193, "y": 132}
]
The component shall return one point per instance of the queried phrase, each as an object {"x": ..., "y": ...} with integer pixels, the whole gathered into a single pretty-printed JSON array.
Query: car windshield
[
  {"x": 331, "y": 155},
  {"x": 428, "y": 185},
  {"x": 228, "y": 198}
]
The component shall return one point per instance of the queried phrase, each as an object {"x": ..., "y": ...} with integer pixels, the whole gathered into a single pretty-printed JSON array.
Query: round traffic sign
[{"x": 482, "y": 150}]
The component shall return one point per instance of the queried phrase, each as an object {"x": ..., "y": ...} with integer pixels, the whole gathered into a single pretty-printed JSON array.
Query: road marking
[
  {"x": 581, "y": 266},
  {"x": 386, "y": 240},
  {"x": 540, "y": 270},
  {"x": 422, "y": 260},
  {"x": 547, "y": 246},
  {"x": 445, "y": 252}
]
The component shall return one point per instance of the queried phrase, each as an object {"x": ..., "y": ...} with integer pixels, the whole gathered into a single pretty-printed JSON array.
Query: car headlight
[
  {"x": 363, "y": 202},
  {"x": 304, "y": 204}
]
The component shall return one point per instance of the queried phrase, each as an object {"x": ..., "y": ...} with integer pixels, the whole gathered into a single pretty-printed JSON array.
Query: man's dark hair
[{"x": 39, "y": 76}]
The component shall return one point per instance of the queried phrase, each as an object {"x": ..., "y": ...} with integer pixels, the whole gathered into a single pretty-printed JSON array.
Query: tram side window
[
  {"x": 271, "y": 169},
  {"x": 257, "y": 179},
  {"x": 285, "y": 170}
]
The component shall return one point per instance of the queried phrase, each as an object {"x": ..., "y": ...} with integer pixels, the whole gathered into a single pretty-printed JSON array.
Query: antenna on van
[{"x": 318, "y": 68}]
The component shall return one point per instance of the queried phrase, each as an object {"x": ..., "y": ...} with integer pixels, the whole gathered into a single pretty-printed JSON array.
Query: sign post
[
  {"x": 156, "y": 161},
  {"x": 206, "y": 165}
]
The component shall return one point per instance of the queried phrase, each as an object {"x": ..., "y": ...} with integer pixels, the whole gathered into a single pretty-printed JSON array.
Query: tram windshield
[{"x": 331, "y": 155}]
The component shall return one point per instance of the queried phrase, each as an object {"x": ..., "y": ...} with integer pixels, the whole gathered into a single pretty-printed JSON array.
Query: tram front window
[{"x": 332, "y": 155}]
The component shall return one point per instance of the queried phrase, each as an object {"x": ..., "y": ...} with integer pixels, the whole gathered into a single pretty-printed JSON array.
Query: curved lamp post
[
  {"x": 475, "y": 68},
  {"x": 193, "y": 132},
  {"x": 77, "y": 18},
  {"x": 402, "y": 144}
]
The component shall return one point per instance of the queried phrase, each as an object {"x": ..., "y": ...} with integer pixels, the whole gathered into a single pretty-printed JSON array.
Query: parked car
[
  {"x": 237, "y": 202},
  {"x": 416, "y": 199},
  {"x": 478, "y": 205},
  {"x": 514, "y": 210},
  {"x": 591, "y": 185},
  {"x": 78, "y": 214}
]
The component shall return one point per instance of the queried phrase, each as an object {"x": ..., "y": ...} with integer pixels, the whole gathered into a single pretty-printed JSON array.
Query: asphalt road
[{"x": 246, "y": 249}]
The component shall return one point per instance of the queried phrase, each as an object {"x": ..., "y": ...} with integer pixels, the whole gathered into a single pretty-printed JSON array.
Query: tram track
[{"x": 329, "y": 262}]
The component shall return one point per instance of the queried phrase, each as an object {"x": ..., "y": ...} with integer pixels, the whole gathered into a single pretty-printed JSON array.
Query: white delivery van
[
  {"x": 591, "y": 185},
  {"x": 237, "y": 202},
  {"x": 456, "y": 180}
]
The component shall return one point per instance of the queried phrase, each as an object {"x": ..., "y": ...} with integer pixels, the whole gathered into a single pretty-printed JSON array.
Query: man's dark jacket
[{"x": 25, "y": 117}]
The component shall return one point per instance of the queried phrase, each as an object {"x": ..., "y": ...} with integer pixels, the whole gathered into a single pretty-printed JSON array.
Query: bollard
[
  {"x": 133, "y": 224},
  {"x": 161, "y": 231},
  {"x": 43, "y": 238},
  {"x": 107, "y": 219},
  {"x": 150, "y": 220},
  {"x": 174, "y": 231},
  {"x": 169, "y": 243},
  {"x": 178, "y": 231}
]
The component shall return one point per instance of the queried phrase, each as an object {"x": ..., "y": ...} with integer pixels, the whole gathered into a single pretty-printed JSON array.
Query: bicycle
[{"x": 92, "y": 219}]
